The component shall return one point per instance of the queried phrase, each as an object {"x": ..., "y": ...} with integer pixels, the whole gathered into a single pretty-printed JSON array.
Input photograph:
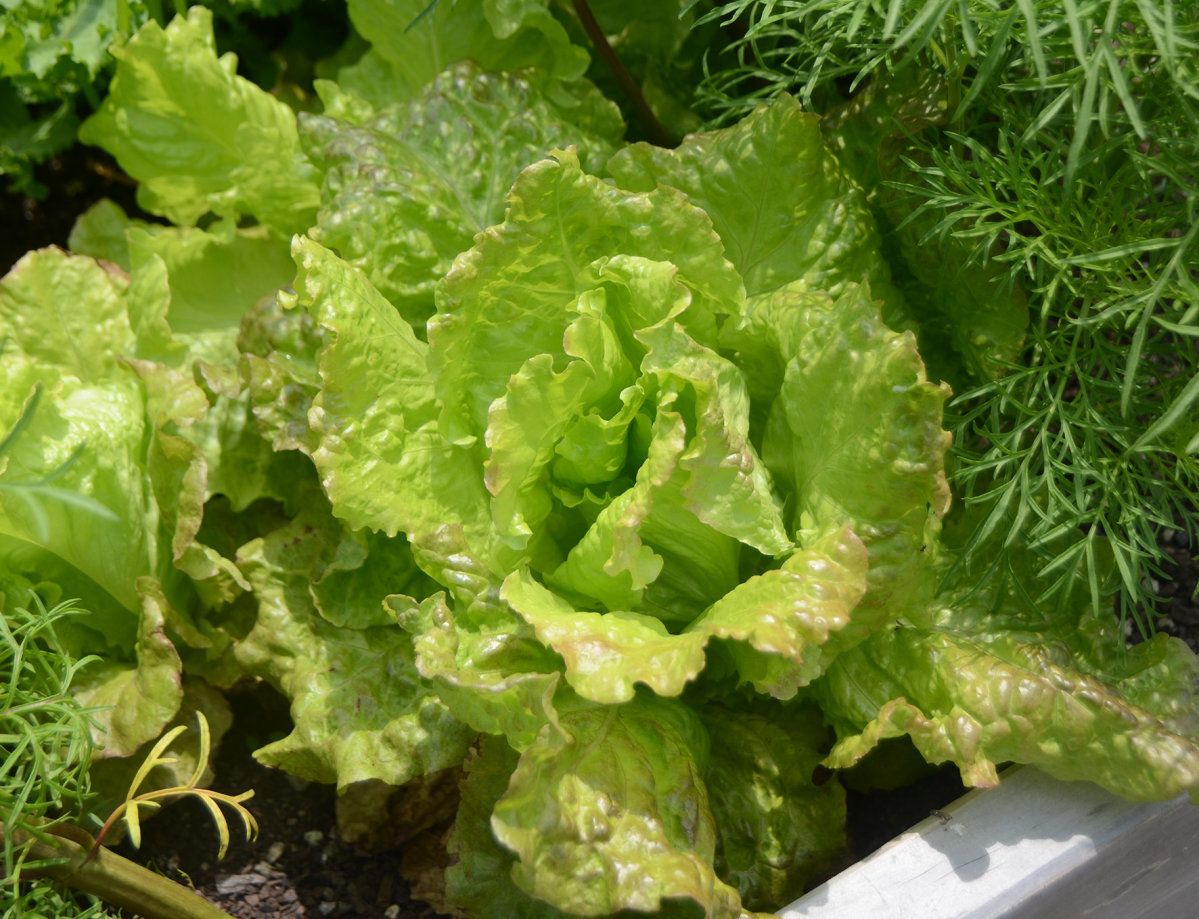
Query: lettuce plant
[{"x": 607, "y": 474}]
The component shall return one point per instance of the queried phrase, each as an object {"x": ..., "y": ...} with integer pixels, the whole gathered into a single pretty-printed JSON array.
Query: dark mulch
[
  {"x": 298, "y": 866},
  {"x": 1180, "y": 612},
  {"x": 76, "y": 179}
]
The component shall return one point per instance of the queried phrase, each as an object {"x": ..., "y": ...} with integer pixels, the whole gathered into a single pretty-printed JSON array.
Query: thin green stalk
[{"x": 111, "y": 877}]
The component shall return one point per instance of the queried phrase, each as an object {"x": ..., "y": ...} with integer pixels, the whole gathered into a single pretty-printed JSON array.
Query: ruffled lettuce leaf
[
  {"x": 60, "y": 317},
  {"x": 785, "y": 209},
  {"x": 211, "y": 276},
  {"x": 361, "y": 710},
  {"x": 969, "y": 316},
  {"x": 618, "y": 816},
  {"x": 199, "y": 138},
  {"x": 784, "y": 625},
  {"x": 486, "y": 664},
  {"x": 606, "y": 654},
  {"x": 479, "y": 878},
  {"x": 136, "y": 699},
  {"x": 777, "y": 827},
  {"x": 993, "y": 680},
  {"x": 405, "y": 190},
  {"x": 118, "y": 433},
  {"x": 513, "y": 294},
  {"x": 413, "y": 41},
  {"x": 853, "y": 409},
  {"x": 780, "y": 628},
  {"x": 978, "y": 703},
  {"x": 373, "y": 424}
]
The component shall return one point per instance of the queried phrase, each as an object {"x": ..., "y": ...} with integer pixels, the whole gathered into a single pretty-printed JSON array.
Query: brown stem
[
  {"x": 653, "y": 128},
  {"x": 115, "y": 880}
]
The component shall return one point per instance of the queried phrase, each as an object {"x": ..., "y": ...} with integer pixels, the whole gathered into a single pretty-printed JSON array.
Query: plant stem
[
  {"x": 657, "y": 134},
  {"x": 114, "y": 879}
]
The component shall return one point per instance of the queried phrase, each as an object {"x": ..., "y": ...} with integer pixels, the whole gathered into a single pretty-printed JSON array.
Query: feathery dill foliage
[
  {"x": 46, "y": 746},
  {"x": 1066, "y": 153}
]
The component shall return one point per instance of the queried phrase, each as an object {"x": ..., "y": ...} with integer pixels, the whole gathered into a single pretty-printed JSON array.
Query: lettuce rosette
[
  {"x": 676, "y": 481},
  {"x": 652, "y": 501},
  {"x": 620, "y": 494}
]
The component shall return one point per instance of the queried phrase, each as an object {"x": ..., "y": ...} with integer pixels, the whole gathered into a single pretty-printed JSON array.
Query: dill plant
[
  {"x": 1059, "y": 155},
  {"x": 45, "y": 786},
  {"x": 45, "y": 736}
]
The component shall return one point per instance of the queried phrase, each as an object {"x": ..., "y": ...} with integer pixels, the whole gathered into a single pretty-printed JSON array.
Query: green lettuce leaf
[
  {"x": 605, "y": 654},
  {"x": 853, "y": 409},
  {"x": 512, "y": 296},
  {"x": 488, "y": 668},
  {"x": 777, "y": 828},
  {"x": 135, "y": 700},
  {"x": 360, "y": 708},
  {"x": 994, "y": 679},
  {"x": 199, "y": 138},
  {"x": 86, "y": 437},
  {"x": 109, "y": 459},
  {"x": 785, "y": 624},
  {"x": 373, "y": 424},
  {"x": 406, "y": 190},
  {"x": 413, "y": 41},
  {"x": 970, "y": 319},
  {"x": 978, "y": 703},
  {"x": 784, "y": 208},
  {"x": 618, "y": 818},
  {"x": 280, "y": 349},
  {"x": 479, "y": 879}
]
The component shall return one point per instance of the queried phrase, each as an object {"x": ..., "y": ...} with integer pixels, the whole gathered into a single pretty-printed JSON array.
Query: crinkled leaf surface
[
  {"x": 45, "y": 43},
  {"x": 606, "y": 654},
  {"x": 777, "y": 828},
  {"x": 784, "y": 208},
  {"x": 486, "y": 664},
  {"x": 360, "y": 708},
  {"x": 381, "y": 458},
  {"x": 369, "y": 567},
  {"x": 725, "y": 484},
  {"x": 410, "y": 49},
  {"x": 480, "y": 878},
  {"x": 280, "y": 351},
  {"x": 854, "y": 410},
  {"x": 512, "y": 296},
  {"x": 979, "y": 703},
  {"x": 407, "y": 189},
  {"x": 199, "y": 138},
  {"x": 618, "y": 818},
  {"x": 784, "y": 625}
]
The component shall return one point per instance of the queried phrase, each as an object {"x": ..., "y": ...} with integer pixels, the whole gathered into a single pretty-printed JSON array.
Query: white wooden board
[{"x": 1031, "y": 848}]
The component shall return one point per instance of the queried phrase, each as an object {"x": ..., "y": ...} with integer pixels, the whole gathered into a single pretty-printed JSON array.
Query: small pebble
[
  {"x": 266, "y": 869},
  {"x": 314, "y": 837},
  {"x": 239, "y": 884},
  {"x": 296, "y": 782},
  {"x": 326, "y": 907},
  {"x": 275, "y": 851},
  {"x": 391, "y": 912}
]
